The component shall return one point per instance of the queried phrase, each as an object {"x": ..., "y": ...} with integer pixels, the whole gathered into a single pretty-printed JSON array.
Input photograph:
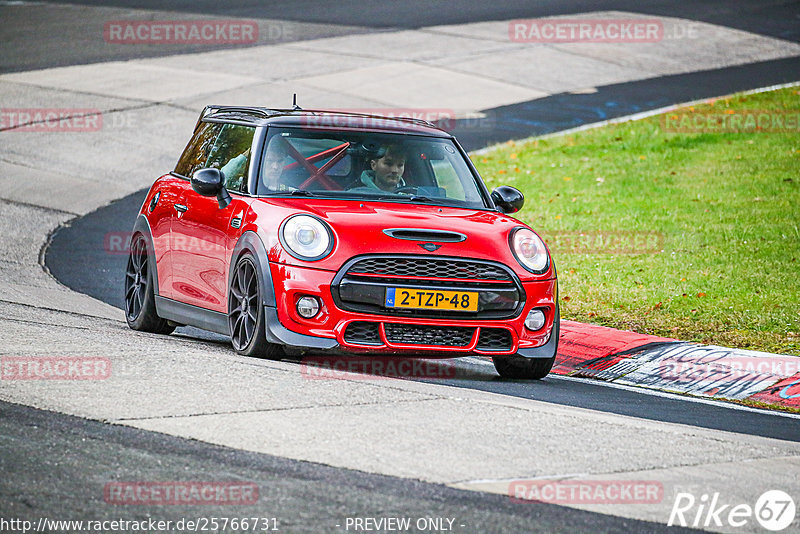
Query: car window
[
  {"x": 230, "y": 153},
  {"x": 291, "y": 162},
  {"x": 366, "y": 165},
  {"x": 445, "y": 172},
  {"x": 196, "y": 152}
]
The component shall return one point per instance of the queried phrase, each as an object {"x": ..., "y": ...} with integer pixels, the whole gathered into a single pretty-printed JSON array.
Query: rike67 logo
[{"x": 774, "y": 510}]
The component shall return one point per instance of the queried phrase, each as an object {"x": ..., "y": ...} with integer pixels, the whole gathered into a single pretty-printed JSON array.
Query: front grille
[
  {"x": 495, "y": 339},
  {"x": 429, "y": 268},
  {"x": 368, "y": 333},
  {"x": 362, "y": 284},
  {"x": 444, "y": 336},
  {"x": 362, "y": 333}
]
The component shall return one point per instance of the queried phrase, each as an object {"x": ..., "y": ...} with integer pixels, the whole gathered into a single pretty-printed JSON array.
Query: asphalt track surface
[
  {"x": 55, "y": 38},
  {"x": 85, "y": 242},
  {"x": 64, "y": 461},
  {"x": 771, "y": 17}
]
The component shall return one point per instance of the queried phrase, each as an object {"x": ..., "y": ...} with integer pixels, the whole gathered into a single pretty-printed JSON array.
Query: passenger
[
  {"x": 274, "y": 163},
  {"x": 386, "y": 169}
]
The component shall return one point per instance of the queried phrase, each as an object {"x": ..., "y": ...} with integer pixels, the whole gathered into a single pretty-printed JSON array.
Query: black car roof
[{"x": 316, "y": 118}]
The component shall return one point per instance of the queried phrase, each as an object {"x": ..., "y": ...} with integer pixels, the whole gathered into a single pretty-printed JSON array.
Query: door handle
[{"x": 180, "y": 207}]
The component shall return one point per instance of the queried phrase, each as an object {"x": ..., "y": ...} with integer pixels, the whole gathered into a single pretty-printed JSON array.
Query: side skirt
[{"x": 187, "y": 314}]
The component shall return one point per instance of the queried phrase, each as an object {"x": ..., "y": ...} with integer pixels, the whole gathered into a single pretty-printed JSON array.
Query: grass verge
[{"x": 660, "y": 228}]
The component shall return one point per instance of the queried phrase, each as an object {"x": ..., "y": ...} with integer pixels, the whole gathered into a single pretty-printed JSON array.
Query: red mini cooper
[{"x": 327, "y": 232}]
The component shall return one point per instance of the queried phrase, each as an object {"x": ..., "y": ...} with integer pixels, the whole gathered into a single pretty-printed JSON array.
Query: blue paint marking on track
[{"x": 784, "y": 393}]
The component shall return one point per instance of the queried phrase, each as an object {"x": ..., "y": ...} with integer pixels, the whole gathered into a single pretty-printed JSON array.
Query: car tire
[
  {"x": 140, "y": 300},
  {"x": 515, "y": 366},
  {"x": 520, "y": 367},
  {"x": 246, "y": 312}
]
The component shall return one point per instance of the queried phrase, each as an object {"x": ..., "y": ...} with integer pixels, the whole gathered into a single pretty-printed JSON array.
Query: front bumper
[{"x": 332, "y": 330}]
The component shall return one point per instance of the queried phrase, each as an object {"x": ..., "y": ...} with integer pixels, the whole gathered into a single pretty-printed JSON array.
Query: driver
[{"x": 386, "y": 169}]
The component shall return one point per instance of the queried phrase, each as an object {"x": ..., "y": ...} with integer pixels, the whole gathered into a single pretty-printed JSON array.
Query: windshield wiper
[
  {"x": 295, "y": 193},
  {"x": 410, "y": 198}
]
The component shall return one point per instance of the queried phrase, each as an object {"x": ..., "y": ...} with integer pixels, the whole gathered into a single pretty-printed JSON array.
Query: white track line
[
  {"x": 675, "y": 396},
  {"x": 654, "y": 392}
]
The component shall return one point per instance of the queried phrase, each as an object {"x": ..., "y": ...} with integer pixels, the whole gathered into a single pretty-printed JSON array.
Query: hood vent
[{"x": 424, "y": 234}]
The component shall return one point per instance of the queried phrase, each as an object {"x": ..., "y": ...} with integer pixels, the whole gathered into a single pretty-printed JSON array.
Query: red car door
[
  {"x": 172, "y": 204},
  {"x": 203, "y": 234},
  {"x": 203, "y": 237},
  {"x": 161, "y": 213}
]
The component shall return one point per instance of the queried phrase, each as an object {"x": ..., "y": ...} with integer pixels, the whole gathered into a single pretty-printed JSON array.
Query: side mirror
[
  {"x": 209, "y": 183},
  {"x": 508, "y": 199}
]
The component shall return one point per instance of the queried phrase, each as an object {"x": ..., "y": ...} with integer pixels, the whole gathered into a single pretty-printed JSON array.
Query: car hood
[{"x": 361, "y": 228}]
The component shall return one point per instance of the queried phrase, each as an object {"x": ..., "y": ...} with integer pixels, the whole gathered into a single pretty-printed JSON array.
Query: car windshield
[{"x": 367, "y": 166}]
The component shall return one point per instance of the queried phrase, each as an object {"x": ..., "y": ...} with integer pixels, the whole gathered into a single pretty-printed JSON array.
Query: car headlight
[
  {"x": 529, "y": 250},
  {"x": 306, "y": 238}
]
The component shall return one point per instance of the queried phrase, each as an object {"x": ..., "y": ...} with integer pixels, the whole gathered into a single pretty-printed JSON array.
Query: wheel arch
[
  {"x": 142, "y": 226},
  {"x": 251, "y": 242}
]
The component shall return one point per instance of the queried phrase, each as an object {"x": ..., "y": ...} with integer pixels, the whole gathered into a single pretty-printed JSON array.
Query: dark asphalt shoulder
[{"x": 57, "y": 466}]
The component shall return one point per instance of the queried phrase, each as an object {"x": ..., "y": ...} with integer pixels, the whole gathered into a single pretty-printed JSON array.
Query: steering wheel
[{"x": 408, "y": 189}]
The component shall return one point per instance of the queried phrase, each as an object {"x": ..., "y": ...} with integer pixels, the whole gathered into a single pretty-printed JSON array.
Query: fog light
[
  {"x": 308, "y": 307},
  {"x": 535, "y": 320}
]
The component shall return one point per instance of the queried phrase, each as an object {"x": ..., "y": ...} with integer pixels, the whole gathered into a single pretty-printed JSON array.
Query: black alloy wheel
[
  {"x": 140, "y": 305},
  {"x": 246, "y": 312}
]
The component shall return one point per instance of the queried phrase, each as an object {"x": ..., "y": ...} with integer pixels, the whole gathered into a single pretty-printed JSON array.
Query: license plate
[{"x": 431, "y": 299}]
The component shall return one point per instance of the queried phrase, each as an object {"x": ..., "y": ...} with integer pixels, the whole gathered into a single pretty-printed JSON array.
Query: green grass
[{"x": 725, "y": 208}]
